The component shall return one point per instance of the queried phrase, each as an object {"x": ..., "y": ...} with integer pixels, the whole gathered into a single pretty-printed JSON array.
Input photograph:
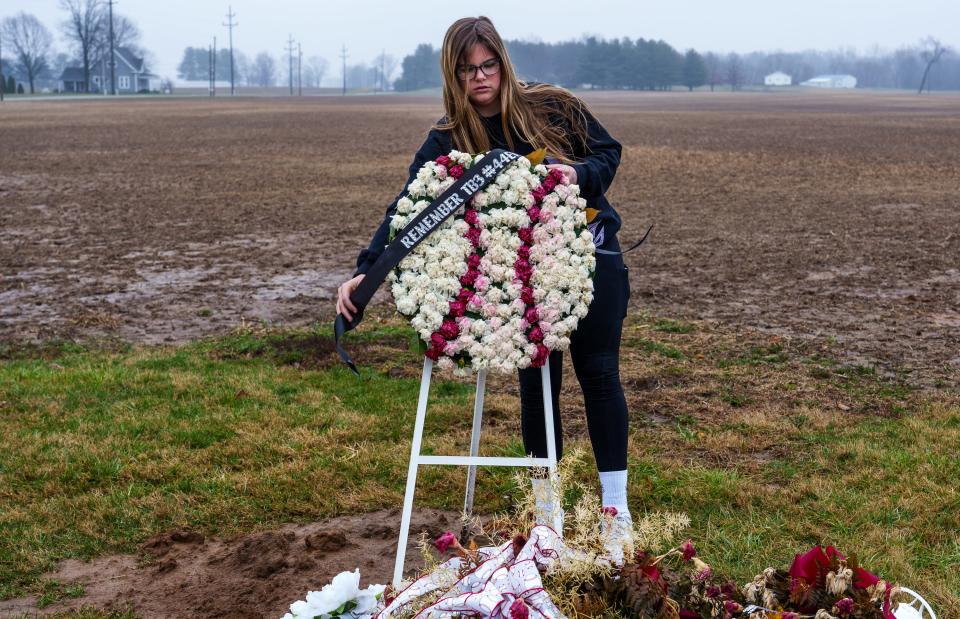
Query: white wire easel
[
  {"x": 915, "y": 608},
  {"x": 471, "y": 461}
]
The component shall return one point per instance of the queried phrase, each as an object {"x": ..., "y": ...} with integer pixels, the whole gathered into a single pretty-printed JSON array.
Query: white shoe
[{"x": 617, "y": 531}]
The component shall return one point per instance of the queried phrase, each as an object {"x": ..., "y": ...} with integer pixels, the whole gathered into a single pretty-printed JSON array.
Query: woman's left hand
[{"x": 568, "y": 171}]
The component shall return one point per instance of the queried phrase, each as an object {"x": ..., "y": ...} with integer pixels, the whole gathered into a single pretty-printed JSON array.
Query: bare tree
[
  {"x": 31, "y": 43},
  {"x": 385, "y": 64},
  {"x": 317, "y": 67},
  {"x": 735, "y": 71},
  {"x": 263, "y": 70},
  {"x": 85, "y": 28},
  {"x": 714, "y": 72},
  {"x": 126, "y": 34},
  {"x": 931, "y": 55}
]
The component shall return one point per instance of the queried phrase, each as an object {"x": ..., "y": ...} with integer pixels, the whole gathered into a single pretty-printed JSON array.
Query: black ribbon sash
[{"x": 481, "y": 174}]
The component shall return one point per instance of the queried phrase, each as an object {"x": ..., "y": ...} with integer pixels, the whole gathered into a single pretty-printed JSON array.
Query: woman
[{"x": 487, "y": 107}]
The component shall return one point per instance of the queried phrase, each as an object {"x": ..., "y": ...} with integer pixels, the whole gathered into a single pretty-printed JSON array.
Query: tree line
[{"x": 643, "y": 64}]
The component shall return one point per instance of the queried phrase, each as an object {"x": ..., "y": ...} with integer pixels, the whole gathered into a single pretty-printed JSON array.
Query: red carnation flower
[
  {"x": 434, "y": 353},
  {"x": 609, "y": 510},
  {"x": 519, "y": 610},
  {"x": 536, "y": 335},
  {"x": 549, "y": 183},
  {"x": 539, "y": 194},
  {"x": 443, "y": 160},
  {"x": 531, "y": 315},
  {"x": 456, "y": 171},
  {"x": 473, "y": 261},
  {"x": 844, "y": 607},
  {"x": 534, "y": 213},
  {"x": 470, "y": 216},
  {"x": 449, "y": 329},
  {"x": 526, "y": 235},
  {"x": 526, "y": 295},
  {"x": 689, "y": 552},
  {"x": 458, "y": 308},
  {"x": 470, "y": 277},
  {"x": 438, "y": 341}
]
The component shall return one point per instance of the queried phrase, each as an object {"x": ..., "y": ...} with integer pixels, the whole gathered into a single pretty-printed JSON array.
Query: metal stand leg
[
  {"x": 475, "y": 440},
  {"x": 412, "y": 470},
  {"x": 471, "y": 461}
]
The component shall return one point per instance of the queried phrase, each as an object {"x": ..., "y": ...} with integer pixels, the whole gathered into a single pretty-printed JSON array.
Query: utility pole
[
  {"x": 113, "y": 59},
  {"x": 210, "y": 70},
  {"x": 383, "y": 76},
  {"x": 290, "y": 55},
  {"x": 299, "y": 70},
  {"x": 3, "y": 78},
  {"x": 213, "y": 67},
  {"x": 231, "y": 25},
  {"x": 343, "y": 56}
]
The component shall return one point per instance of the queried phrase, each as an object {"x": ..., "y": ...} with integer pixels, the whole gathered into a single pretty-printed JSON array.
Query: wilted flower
[
  {"x": 844, "y": 607},
  {"x": 445, "y": 541},
  {"x": 689, "y": 552}
]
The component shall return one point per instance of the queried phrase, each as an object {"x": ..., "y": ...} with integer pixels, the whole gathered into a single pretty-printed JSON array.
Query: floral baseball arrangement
[
  {"x": 529, "y": 571},
  {"x": 504, "y": 281}
]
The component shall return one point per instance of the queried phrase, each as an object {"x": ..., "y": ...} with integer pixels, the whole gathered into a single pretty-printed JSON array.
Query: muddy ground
[
  {"x": 180, "y": 573},
  {"x": 820, "y": 215}
]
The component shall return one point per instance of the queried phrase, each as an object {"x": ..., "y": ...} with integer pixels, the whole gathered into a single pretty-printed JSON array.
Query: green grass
[{"x": 105, "y": 447}]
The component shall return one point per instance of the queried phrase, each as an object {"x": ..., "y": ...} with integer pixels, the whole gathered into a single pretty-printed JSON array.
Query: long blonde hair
[{"x": 526, "y": 107}]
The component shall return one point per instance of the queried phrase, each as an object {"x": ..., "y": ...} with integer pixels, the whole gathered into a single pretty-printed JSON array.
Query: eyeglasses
[{"x": 488, "y": 67}]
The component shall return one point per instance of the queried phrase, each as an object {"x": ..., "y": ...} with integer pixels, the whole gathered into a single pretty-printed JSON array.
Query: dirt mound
[{"x": 181, "y": 573}]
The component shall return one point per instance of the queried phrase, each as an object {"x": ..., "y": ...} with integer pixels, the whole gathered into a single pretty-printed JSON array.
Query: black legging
[{"x": 595, "y": 350}]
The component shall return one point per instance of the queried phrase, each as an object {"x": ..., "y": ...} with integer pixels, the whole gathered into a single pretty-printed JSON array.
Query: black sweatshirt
[{"x": 595, "y": 171}]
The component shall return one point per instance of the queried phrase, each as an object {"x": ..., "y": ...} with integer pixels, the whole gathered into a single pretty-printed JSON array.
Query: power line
[
  {"x": 231, "y": 25},
  {"x": 290, "y": 53}
]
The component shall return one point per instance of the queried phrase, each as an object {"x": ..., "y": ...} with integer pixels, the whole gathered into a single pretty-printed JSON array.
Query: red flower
[
  {"x": 449, "y": 329},
  {"x": 434, "y": 353},
  {"x": 609, "y": 510},
  {"x": 470, "y": 216},
  {"x": 470, "y": 277},
  {"x": 445, "y": 541},
  {"x": 526, "y": 235},
  {"x": 689, "y": 552},
  {"x": 464, "y": 295},
  {"x": 526, "y": 295},
  {"x": 473, "y": 235},
  {"x": 523, "y": 252},
  {"x": 713, "y": 591},
  {"x": 732, "y": 607},
  {"x": 458, "y": 308},
  {"x": 863, "y": 578},
  {"x": 519, "y": 610},
  {"x": 519, "y": 541},
  {"x": 534, "y": 213},
  {"x": 539, "y": 194},
  {"x": 456, "y": 171},
  {"x": 844, "y": 607},
  {"x": 729, "y": 589},
  {"x": 688, "y": 614},
  {"x": 531, "y": 315},
  {"x": 536, "y": 335},
  {"x": 556, "y": 175},
  {"x": 810, "y": 567},
  {"x": 549, "y": 183},
  {"x": 473, "y": 261},
  {"x": 438, "y": 341},
  {"x": 443, "y": 160}
]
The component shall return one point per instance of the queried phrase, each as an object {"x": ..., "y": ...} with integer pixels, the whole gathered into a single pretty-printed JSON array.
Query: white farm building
[
  {"x": 777, "y": 78},
  {"x": 831, "y": 81}
]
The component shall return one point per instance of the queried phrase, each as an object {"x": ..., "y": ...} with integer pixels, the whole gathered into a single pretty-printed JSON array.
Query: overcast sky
[{"x": 367, "y": 27}]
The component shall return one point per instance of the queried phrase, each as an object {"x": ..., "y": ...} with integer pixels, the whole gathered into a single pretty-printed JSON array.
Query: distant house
[
  {"x": 131, "y": 73},
  {"x": 831, "y": 81},
  {"x": 777, "y": 78}
]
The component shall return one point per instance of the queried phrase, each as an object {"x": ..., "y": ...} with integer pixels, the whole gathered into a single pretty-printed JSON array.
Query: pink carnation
[{"x": 445, "y": 541}]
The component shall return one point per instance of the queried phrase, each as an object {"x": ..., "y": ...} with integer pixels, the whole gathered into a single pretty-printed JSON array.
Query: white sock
[{"x": 614, "y": 487}]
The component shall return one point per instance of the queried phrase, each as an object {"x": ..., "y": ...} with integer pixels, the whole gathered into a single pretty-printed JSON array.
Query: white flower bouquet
[{"x": 506, "y": 279}]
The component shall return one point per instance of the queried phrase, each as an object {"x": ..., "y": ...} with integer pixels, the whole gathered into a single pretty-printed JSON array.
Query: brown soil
[
  {"x": 179, "y": 573},
  {"x": 819, "y": 215}
]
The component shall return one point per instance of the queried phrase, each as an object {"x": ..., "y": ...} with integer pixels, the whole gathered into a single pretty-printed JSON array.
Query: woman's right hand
[{"x": 344, "y": 305}]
